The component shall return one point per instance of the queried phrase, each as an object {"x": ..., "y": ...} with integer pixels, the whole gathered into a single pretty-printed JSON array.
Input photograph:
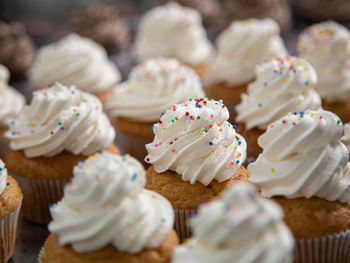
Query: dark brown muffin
[
  {"x": 17, "y": 49},
  {"x": 102, "y": 23},
  {"x": 319, "y": 10}
]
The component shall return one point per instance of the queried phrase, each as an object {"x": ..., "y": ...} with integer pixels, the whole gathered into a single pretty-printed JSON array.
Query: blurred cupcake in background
[
  {"x": 327, "y": 47},
  {"x": 11, "y": 102},
  {"x": 177, "y": 32},
  {"x": 278, "y": 10},
  {"x": 282, "y": 85},
  {"x": 305, "y": 168},
  {"x": 104, "y": 24},
  {"x": 60, "y": 127},
  {"x": 78, "y": 61},
  {"x": 153, "y": 86},
  {"x": 241, "y": 225},
  {"x": 195, "y": 155},
  {"x": 17, "y": 48},
  {"x": 109, "y": 217},
  {"x": 346, "y": 137},
  {"x": 320, "y": 10},
  {"x": 241, "y": 47},
  {"x": 10, "y": 201}
]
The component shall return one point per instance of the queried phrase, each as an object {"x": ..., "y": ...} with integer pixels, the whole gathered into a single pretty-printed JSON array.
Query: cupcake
[
  {"x": 174, "y": 31},
  {"x": 242, "y": 226},
  {"x": 277, "y": 10},
  {"x": 327, "y": 47},
  {"x": 102, "y": 23},
  {"x": 11, "y": 102},
  {"x": 305, "y": 168},
  {"x": 60, "y": 127},
  {"x": 17, "y": 48},
  {"x": 195, "y": 155},
  {"x": 282, "y": 85},
  {"x": 152, "y": 88},
  {"x": 75, "y": 60},
  {"x": 346, "y": 137},
  {"x": 108, "y": 216},
  {"x": 241, "y": 47},
  {"x": 10, "y": 200}
]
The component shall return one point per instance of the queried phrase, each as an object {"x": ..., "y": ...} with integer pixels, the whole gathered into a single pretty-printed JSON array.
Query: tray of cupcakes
[{"x": 184, "y": 132}]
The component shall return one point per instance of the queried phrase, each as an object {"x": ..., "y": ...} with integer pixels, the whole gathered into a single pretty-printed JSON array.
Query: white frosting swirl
[
  {"x": 242, "y": 46},
  {"x": 327, "y": 47},
  {"x": 303, "y": 157},
  {"x": 152, "y": 88},
  {"x": 61, "y": 118},
  {"x": 3, "y": 176},
  {"x": 74, "y": 60},
  {"x": 105, "y": 204},
  {"x": 240, "y": 227},
  {"x": 174, "y": 31},
  {"x": 195, "y": 140},
  {"x": 282, "y": 85},
  {"x": 11, "y": 100},
  {"x": 346, "y": 137}
]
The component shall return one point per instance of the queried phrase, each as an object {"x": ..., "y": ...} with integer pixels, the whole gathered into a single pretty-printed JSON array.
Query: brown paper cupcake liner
[
  {"x": 329, "y": 249},
  {"x": 39, "y": 194},
  {"x": 8, "y": 231},
  {"x": 133, "y": 145},
  {"x": 180, "y": 225}
]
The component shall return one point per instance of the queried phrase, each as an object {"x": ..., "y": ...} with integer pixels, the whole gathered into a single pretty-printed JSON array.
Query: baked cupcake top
[
  {"x": 282, "y": 85},
  {"x": 61, "y": 118},
  {"x": 242, "y": 226},
  {"x": 152, "y": 88},
  {"x": 173, "y": 31},
  {"x": 195, "y": 140},
  {"x": 11, "y": 100},
  {"x": 327, "y": 46},
  {"x": 303, "y": 157},
  {"x": 74, "y": 60},
  {"x": 242, "y": 46},
  {"x": 3, "y": 176},
  {"x": 346, "y": 137},
  {"x": 105, "y": 204}
]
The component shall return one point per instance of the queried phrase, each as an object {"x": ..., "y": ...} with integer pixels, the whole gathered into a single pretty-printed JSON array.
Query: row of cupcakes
[
  {"x": 196, "y": 155},
  {"x": 240, "y": 48}
]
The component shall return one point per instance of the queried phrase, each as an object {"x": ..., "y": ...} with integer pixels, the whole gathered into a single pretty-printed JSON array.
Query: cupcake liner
[
  {"x": 329, "y": 249},
  {"x": 133, "y": 145},
  {"x": 180, "y": 225},
  {"x": 39, "y": 254},
  {"x": 8, "y": 230},
  {"x": 38, "y": 195}
]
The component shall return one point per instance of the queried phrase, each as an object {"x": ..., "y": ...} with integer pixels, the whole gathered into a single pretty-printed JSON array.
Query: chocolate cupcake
[
  {"x": 102, "y": 23},
  {"x": 17, "y": 49},
  {"x": 318, "y": 10}
]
